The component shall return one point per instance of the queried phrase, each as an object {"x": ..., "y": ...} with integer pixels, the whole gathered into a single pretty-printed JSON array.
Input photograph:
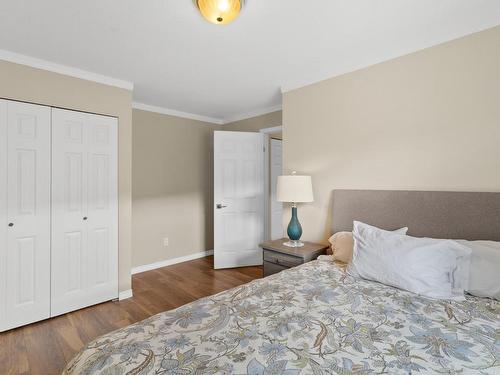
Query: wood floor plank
[
  {"x": 44, "y": 356},
  {"x": 13, "y": 356},
  {"x": 45, "y": 347}
]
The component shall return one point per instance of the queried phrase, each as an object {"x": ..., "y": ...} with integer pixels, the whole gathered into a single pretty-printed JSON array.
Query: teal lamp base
[{"x": 294, "y": 230}]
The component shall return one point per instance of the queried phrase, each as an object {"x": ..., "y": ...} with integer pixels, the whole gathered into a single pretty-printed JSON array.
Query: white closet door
[
  {"x": 69, "y": 210},
  {"x": 84, "y": 210},
  {"x": 102, "y": 256},
  {"x": 26, "y": 256}
]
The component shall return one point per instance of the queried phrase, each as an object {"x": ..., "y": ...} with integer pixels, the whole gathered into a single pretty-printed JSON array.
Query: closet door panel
[
  {"x": 103, "y": 209},
  {"x": 69, "y": 210},
  {"x": 27, "y": 258}
]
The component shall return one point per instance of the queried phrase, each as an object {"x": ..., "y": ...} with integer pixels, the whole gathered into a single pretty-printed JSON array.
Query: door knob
[
  {"x": 219, "y": 206},
  {"x": 11, "y": 224},
  {"x": 85, "y": 218}
]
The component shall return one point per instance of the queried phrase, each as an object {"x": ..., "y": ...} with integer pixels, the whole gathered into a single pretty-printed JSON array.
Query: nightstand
[{"x": 278, "y": 257}]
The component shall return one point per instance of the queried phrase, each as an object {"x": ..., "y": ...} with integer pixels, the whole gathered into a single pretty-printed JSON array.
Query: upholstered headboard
[{"x": 437, "y": 214}]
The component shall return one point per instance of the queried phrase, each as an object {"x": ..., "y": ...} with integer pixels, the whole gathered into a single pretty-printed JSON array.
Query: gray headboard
[{"x": 437, "y": 214}]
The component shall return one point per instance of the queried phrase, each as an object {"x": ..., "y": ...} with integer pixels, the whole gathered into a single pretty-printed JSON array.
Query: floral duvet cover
[{"x": 312, "y": 319}]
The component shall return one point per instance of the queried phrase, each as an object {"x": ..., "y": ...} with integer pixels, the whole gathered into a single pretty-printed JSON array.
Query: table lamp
[{"x": 294, "y": 189}]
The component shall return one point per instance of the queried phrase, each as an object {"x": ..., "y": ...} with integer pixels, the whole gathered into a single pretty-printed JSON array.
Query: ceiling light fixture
[{"x": 220, "y": 12}]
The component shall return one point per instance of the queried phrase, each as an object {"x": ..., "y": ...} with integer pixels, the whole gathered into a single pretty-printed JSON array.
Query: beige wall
[
  {"x": 23, "y": 83},
  {"x": 254, "y": 124},
  {"x": 172, "y": 187},
  {"x": 429, "y": 120},
  {"x": 173, "y": 183}
]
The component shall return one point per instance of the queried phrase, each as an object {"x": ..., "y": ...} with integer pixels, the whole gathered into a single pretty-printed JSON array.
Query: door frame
[{"x": 267, "y": 181}]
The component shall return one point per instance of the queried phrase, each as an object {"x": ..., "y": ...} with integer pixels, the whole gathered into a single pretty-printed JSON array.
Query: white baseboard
[
  {"x": 125, "y": 294},
  {"x": 169, "y": 262}
]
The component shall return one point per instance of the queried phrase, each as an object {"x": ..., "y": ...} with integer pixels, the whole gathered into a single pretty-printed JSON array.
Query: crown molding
[
  {"x": 105, "y": 80},
  {"x": 63, "y": 69},
  {"x": 274, "y": 129},
  {"x": 255, "y": 113},
  {"x": 213, "y": 120},
  {"x": 173, "y": 112}
]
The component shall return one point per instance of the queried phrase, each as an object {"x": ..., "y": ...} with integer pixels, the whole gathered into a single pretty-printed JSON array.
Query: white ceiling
[{"x": 177, "y": 60}]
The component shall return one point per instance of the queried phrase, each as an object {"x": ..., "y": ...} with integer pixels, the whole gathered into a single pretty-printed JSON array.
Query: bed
[{"x": 315, "y": 319}]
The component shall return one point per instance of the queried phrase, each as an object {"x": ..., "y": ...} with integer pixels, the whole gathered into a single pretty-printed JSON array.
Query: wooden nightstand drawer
[
  {"x": 281, "y": 259},
  {"x": 272, "y": 268}
]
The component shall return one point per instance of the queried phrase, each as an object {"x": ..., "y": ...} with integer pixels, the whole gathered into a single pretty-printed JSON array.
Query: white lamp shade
[{"x": 294, "y": 189}]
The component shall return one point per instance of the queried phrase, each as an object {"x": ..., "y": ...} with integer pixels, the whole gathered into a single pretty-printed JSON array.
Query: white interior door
[
  {"x": 276, "y": 208},
  {"x": 25, "y": 212},
  {"x": 84, "y": 210},
  {"x": 238, "y": 199}
]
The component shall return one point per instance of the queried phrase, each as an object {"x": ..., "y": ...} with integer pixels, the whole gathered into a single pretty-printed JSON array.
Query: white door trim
[
  {"x": 126, "y": 294},
  {"x": 3, "y": 210},
  {"x": 275, "y": 207},
  {"x": 267, "y": 182}
]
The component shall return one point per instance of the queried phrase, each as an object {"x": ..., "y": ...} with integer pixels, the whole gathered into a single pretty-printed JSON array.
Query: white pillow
[
  {"x": 429, "y": 267},
  {"x": 484, "y": 280}
]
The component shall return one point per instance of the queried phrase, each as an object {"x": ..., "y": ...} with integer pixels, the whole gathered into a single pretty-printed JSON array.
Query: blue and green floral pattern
[{"x": 312, "y": 319}]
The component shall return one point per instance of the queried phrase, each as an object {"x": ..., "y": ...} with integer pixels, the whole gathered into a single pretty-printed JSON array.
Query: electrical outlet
[{"x": 165, "y": 242}]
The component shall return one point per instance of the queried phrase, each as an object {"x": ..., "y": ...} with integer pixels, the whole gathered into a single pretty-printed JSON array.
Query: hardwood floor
[{"x": 44, "y": 348}]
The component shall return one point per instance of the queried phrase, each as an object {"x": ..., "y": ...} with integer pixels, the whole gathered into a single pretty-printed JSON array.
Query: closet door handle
[
  {"x": 11, "y": 224},
  {"x": 85, "y": 218}
]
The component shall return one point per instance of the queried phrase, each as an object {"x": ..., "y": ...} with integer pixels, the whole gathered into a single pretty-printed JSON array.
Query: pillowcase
[
  {"x": 429, "y": 267},
  {"x": 342, "y": 244},
  {"x": 484, "y": 279}
]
